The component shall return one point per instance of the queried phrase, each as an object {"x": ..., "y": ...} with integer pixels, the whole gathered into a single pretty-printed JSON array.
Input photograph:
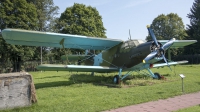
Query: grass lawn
[
  {"x": 75, "y": 92},
  {"x": 190, "y": 109}
]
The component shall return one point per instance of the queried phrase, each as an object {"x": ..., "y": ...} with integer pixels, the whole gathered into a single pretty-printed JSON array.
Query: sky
[{"x": 119, "y": 16}]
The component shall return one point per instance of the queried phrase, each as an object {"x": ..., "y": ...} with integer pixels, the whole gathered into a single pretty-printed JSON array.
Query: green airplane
[{"x": 116, "y": 55}]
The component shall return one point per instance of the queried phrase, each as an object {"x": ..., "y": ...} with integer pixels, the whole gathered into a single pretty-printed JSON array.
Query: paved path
[{"x": 165, "y": 105}]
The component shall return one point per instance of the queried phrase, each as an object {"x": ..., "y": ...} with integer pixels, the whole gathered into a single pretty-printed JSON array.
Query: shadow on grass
[
  {"x": 48, "y": 77},
  {"x": 198, "y": 83},
  {"x": 52, "y": 84},
  {"x": 160, "y": 92},
  {"x": 78, "y": 79},
  {"x": 98, "y": 80}
]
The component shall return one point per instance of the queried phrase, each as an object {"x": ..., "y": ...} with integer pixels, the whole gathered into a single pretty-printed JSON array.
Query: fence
[{"x": 28, "y": 66}]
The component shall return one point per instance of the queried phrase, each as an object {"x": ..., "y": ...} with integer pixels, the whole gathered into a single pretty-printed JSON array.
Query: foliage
[
  {"x": 72, "y": 91},
  {"x": 193, "y": 30},
  {"x": 16, "y": 14},
  {"x": 24, "y": 14},
  {"x": 168, "y": 26},
  {"x": 80, "y": 20},
  {"x": 46, "y": 15}
]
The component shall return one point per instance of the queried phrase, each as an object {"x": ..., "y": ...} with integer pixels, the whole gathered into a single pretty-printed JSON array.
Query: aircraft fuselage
[{"x": 124, "y": 55}]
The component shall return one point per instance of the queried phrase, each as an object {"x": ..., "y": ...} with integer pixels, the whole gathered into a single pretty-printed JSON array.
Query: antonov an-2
[{"x": 116, "y": 55}]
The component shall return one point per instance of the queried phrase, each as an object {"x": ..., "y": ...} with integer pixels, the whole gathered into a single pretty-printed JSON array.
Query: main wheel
[
  {"x": 157, "y": 76},
  {"x": 116, "y": 79}
]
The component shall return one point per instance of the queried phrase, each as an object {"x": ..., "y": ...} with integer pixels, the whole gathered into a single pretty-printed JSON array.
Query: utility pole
[{"x": 41, "y": 53}]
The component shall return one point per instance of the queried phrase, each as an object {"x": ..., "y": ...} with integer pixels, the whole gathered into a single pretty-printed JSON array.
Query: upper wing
[
  {"x": 80, "y": 68},
  {"x": 36, "y": 38},
  {"x": 178, "y": 43}
]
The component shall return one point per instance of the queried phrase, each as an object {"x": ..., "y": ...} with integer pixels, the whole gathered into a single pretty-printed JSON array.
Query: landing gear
[
  {"x": 116, "y": 79},
  {"x": 157, "y": 76},
  {"x": 119, "y": 77}
]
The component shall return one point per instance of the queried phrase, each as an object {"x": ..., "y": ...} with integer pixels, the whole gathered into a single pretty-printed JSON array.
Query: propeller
[{"x": 159, "y": 50}]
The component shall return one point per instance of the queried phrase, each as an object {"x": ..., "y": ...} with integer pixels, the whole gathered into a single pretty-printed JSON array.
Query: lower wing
[
  {"x": 142, "y": 66},
  {"x": 78, "y": 68},
  {"x": 170, "y": 63},
  {"x": 101, "y": 69}
]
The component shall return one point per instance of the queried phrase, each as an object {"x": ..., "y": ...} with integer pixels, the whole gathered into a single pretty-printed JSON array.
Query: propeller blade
[
  {"x": 166, "y": 61},
  {"x": 152, "y": 35},
  {"x": 150, "y": 56},
  {"x": 168, "y": 44}
]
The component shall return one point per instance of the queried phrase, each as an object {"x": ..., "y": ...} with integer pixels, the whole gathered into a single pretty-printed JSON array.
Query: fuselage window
[
  {"x": 125, "y": 46},
  {"x": 136, "y": 42}
]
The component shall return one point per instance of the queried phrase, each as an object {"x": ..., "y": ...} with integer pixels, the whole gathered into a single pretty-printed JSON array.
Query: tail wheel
[{"x": 116, "y": 79}]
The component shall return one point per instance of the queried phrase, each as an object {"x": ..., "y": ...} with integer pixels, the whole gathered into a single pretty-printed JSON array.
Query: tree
[
  {"x": 46, "y": 15},
  {"x": 193, "y": 30},
  {"x": 16, "y": 14},
  {"x": 81, "y": 20},
  {"x": 168, "y": 26}
]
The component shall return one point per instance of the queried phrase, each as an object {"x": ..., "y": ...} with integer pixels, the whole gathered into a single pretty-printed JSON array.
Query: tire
[
  {"x": 157, "y": 76},
  {"x": 116, "y": 79}
]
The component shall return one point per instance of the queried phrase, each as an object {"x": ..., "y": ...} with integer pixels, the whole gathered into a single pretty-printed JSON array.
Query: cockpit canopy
[{"x": 132, "y": 43}]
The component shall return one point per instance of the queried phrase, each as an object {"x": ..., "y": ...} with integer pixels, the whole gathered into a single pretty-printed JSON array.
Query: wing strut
[{"x": 63, "y": 46}]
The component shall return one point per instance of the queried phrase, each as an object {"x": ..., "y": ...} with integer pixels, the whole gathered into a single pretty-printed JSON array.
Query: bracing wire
[{"x": 92, "y": 53}]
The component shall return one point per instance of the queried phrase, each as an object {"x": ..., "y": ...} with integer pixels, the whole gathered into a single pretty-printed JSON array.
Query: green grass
[
  {"x": 74, "y": 92},
  {"x": 190, "y": 109}
]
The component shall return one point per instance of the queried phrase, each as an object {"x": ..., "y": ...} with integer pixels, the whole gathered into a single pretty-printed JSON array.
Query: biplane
[{"x": 116, "y": 55}]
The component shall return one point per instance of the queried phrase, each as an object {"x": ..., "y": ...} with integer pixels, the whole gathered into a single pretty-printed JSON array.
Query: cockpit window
[
  {"x": 126, "y": 45},
  {"x": 136, "y": 42},
  {"x": 141, "y": 41},
  {"x": 132, "y": 43}
]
